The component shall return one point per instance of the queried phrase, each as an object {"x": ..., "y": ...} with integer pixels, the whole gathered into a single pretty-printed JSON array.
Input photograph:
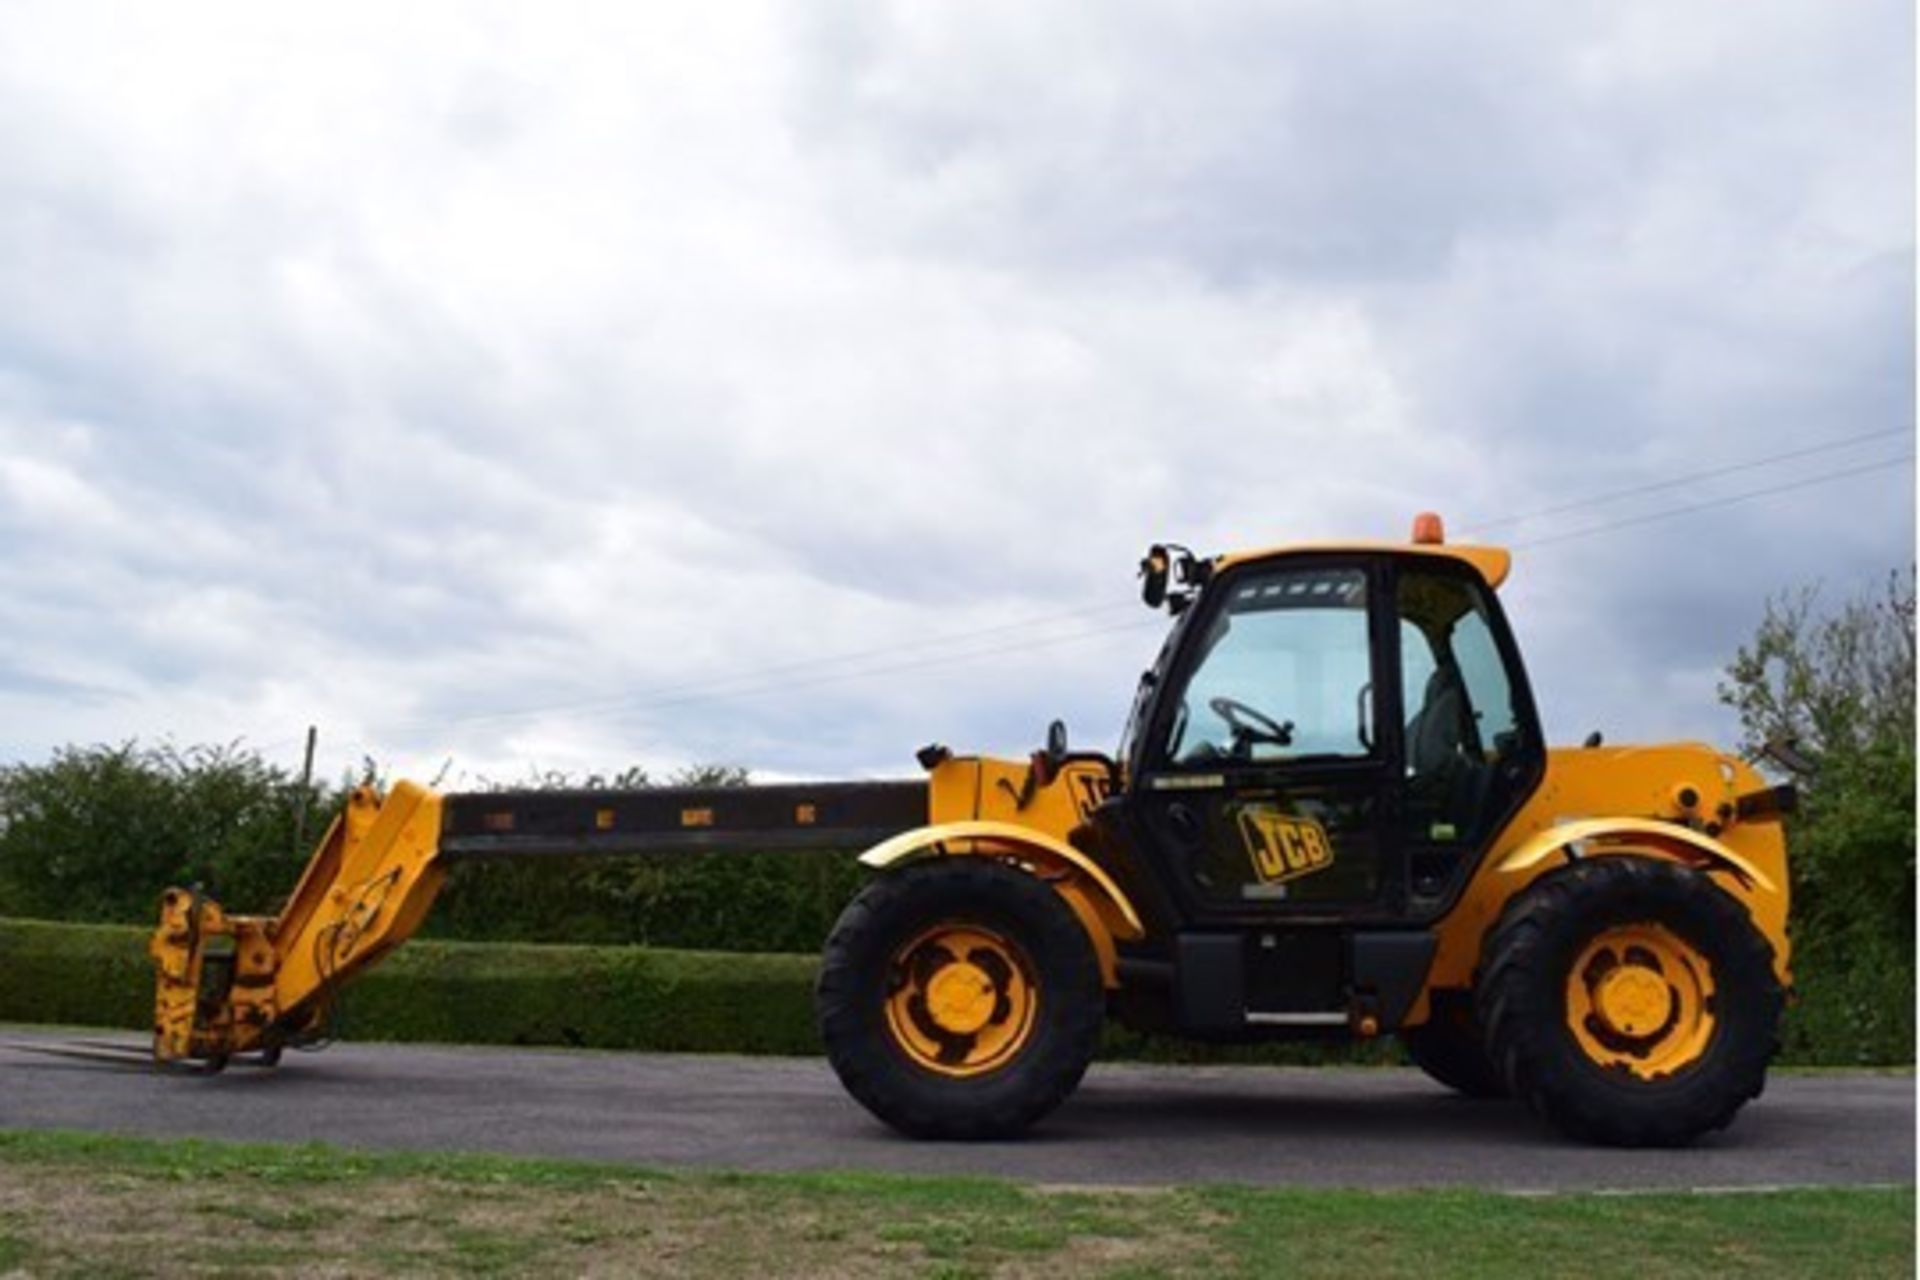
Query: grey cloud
[
  {"x": 15, "y": 680},
  {"x": 391, "y": 381}
]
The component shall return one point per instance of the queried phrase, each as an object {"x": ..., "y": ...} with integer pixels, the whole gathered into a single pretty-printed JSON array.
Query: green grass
[
  {"x": 1826, "y": 1232},
  {"x": 73, "y": 1204}
]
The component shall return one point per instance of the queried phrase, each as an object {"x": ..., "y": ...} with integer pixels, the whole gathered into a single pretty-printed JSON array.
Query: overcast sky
[{"x": 499, "y": 383}]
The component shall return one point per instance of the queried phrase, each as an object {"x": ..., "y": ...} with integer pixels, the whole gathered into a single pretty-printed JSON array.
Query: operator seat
[
  {"x": 1447, "y": 776},
  {"x": 1438, "y": 730}
]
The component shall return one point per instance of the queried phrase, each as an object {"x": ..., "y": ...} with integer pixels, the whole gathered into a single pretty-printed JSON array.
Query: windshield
[
  {"x": 1150, "y": 680},
  {"x": 1283, "y": 673}
]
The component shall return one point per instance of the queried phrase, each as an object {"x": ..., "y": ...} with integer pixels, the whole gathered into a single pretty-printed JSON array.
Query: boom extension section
[{"x": 228, "y": 984}]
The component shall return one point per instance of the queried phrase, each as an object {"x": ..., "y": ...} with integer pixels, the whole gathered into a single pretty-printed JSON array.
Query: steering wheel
[{"x": 1250, "y": 726}]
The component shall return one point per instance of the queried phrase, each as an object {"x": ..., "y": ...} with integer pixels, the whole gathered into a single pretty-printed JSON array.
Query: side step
[
  {"x": 1336, "y": 1018},
  {"x": 1303, "y": 977}
]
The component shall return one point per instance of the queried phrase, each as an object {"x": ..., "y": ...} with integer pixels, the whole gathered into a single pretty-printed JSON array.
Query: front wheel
[
  {"x": 959, "y": 998},
  {"x": 1630, "y": 1001},
  {"x": 1448, "y": 1046}
]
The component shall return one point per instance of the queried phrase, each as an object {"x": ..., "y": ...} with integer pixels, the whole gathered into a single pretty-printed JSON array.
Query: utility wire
[
  {"x": 704, "y": 687},
  {"x": 1803, "y": 483},
  {"x": 651, "y": 704},
  {"x": 945, "y": 659},
  {"x": 1681, "y": 482},
  {"x": 939, "y": 660},
  {"x": 647, "y": 703},
  {"x": 755, "y": 680}
]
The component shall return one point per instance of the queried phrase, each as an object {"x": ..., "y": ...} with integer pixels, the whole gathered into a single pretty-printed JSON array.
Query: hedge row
[
  {"x": 513, "y": 993},
  {"x": 719, "y": 1002},
  {"x": 470, "y": 993},
  {"x": 96, "y": 833},
  {"x": 784, "y": 901}
]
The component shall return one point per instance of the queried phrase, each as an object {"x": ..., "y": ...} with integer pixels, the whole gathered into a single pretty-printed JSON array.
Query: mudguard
[
  {"x": 1637, "y": 835},
  {"x": 1099, "y": 903}
]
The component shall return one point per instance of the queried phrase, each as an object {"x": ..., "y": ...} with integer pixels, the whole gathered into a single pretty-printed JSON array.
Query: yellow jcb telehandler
[{"x": 1332, "y": 814}]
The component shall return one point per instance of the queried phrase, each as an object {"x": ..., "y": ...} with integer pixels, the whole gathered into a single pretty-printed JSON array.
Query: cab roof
[{"x": 1491, "y": 563}]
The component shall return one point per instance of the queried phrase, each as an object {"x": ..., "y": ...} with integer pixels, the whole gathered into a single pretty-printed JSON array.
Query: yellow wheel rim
[
  {"x": 1640, "y": 999},
  {"x": 961, "y": 1000}
]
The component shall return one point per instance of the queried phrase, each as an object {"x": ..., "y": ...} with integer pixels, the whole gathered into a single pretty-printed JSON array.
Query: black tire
[
  {"x": 1449, "y": 1047},
  {"x": 1521, "y": 1001},
  {"x": 857, "y": 977}
]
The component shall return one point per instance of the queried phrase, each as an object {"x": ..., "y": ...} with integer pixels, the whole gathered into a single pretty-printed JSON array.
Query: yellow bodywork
[
  {"x": 1492, "y": 563},
  {"x": 1677, "y": 802},
  {"x": 1652, "y": 986},
  {"x": 228, "y": 984},
  {"x": 1592, "y": 802},
  {"x": 365, "y": 891},
  {"x": 987, "y": 807},
  {"x": 1625, "y": 801},
  {"x": 944, "y": 1001}
]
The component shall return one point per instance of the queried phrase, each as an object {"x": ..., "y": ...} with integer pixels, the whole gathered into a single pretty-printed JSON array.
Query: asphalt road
[{"x": 1127, "y": 1124}]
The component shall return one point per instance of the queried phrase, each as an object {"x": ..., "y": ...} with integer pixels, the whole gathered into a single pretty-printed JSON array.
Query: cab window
[
  {"x": 1462, "y": 717},
  {"x": 1283, "y": 673}
]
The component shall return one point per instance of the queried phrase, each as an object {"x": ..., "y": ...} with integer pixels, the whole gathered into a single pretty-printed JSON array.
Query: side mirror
[
  {"x": 1044, "y": 765},
  {"x": 1172, "y": 575},
  {"x": 1153, "y": 576}
]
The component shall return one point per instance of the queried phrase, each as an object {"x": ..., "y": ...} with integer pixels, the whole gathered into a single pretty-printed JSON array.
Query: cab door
[
  {"x": 1471, "y": 741},
  {"x": 1265, "y": 786}
]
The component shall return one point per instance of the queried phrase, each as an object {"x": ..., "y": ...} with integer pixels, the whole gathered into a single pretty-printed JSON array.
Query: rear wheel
[
  {"x": 959, "y": 998},
  {"x": 1630, "y": 1001},
  {"x": 1449, "y": 1047}
]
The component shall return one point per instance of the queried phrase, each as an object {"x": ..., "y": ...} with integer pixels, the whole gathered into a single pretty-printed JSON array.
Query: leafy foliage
[
  {"x": 97, "y": 832},
  {"x": 780, "y": 901},
  {"x": 1828, "y": 700}
]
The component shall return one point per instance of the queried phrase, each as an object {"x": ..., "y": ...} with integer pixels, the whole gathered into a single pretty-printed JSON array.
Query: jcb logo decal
[
  {"x": 1089, "y": 789},
  {"x": 1283, "y": 847}
]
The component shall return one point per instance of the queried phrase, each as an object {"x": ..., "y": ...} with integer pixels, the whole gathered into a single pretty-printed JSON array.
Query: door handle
[
  {"x": 1364, "y": 727},
  {"x": 1186, "y": 824}
]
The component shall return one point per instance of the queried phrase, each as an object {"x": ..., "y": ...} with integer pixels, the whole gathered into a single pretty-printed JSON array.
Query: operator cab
[
  {"x": 1329, "y": 728},
  {"x": 1328, "y": 741}
]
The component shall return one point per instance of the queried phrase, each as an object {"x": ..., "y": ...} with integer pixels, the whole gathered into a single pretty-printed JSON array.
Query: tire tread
[{"x": 1521, "y": 1008}]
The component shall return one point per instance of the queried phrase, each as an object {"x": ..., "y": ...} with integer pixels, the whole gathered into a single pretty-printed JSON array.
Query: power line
[
  {"x": 1680, "y": 482},
  {"x": 708, "y": 686},
  {"x": 652, "y": 704},
  {"x": 753, "y": 682},
  {"x": 703, "y": 687},
  {"x": 939, "y": 660},
  {"x": 641, "y": 705},
  {"x": 1728, "y": 501}
]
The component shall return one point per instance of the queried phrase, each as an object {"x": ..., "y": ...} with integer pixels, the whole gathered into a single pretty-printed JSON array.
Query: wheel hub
[
  {"x": 1641, "y": 1000},
  {"x": 1633, "y": 1001},
  {"x": 961, "y": 998}
]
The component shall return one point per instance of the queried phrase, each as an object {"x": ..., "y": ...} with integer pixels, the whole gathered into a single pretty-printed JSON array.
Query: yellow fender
[
  {"x": 1099, "y": 903},
  {"x": 1637, "y": 836}
]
